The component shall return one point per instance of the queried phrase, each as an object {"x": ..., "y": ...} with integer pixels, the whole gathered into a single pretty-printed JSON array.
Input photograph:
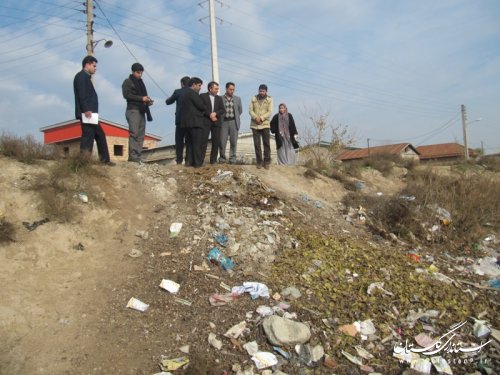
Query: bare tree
[{"x": 319, "y": 150}]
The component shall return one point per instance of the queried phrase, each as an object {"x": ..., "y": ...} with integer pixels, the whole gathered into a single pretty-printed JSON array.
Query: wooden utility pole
[
  {"x": 89, "y": 5},
  {"x": 464, "y": 127}
]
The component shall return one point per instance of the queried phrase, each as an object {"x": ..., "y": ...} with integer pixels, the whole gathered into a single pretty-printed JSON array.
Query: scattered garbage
[
  {"x": 212, "y": 340},
  {"x": 480, "y": 329},
  {"x": 136, "y": 304},
  {"x": 487, "y": 266},
  {"x": 170, "y": 286},
  {"x": 217, "y": 299},
  {"x": 32, "y": 226},
  {"x": 282, "y": 352},
  {"x": 377, "y": 286},
  {"x": 363, "y": 353},
  {"x": 352, "y": 358},
  {"x": 83, "y": 197},
  {"x": 359, "y": 185},
  {"x": 183, "y": 301},
  {"x": 264, "y": 311},
  {"x": 494, "y": 283},
  {"x": 173, "y": 364},
  {"x": 422, "y": 365},
  {"x": 221, "y": 175},
  {"x": 251, "y": 347},
  {"x": 217, "y": 256},
  {"x": 175, "y": 228},
  {"x": 235, "y": 331},
  {"x": 264, "y": 360},
  {"x": 221, "y": 239},
  {"x": 134, "y": 253},
  {"x": 441, "y": 365},
  {"x": 274, "y": 212},
  {"x": 255, "y": 289}
]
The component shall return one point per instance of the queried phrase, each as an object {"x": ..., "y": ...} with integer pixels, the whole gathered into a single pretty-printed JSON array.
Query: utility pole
[
  {"x": 464, "y": 127},
  {"x": 368, "y": 141},
  {"x": 89, "y": 5},
  {"x": 213, "y": 42}
]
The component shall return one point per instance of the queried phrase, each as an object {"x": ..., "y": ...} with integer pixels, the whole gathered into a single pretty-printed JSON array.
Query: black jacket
[
  {"x": 85, "y": 94},
  {"x": 193, "y": 110},
  {"x": 177, "y": 99},
  {"x": 218, "y": 108},
  {"x": 276, "y": 131},
  {"x": 133, "y": 90}
]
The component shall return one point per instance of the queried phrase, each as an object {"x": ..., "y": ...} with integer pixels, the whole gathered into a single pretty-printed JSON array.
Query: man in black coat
[
  {"x": 86, "y": 104},
  {"x": 213, "y": 123},
  {"x": 138, "y": 102},
  {"x": 180, "y": 133},
  {"x": 192, "y": 113}
]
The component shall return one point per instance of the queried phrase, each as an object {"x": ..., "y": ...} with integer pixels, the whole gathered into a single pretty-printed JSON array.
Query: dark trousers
[
  {"x": 215, "y": 133},
  {"x": 194, "y": 146},
  {"x": 89, "y": 134},
  {"x": 137, "y": 129},
  {"x": 180, "y": 139},
  {"x": 263, "y": 134}
]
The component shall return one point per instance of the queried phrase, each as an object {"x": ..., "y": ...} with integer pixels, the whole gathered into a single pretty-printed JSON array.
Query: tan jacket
[{"x": 262, "y": 109}]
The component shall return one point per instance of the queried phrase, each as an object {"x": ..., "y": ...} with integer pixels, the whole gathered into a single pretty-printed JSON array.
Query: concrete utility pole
[
  {"x": 464, "y": 127},
  {"x": 213, "y": 42},
  {"x": 89, "y": 5}
]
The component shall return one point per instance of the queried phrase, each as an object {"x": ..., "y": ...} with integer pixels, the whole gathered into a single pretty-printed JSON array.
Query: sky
[{"x": 389, "y": 71}]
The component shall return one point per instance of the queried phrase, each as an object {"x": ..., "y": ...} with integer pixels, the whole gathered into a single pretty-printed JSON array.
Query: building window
[
  {"x": 66, "y": 150},
  {"x": 118, "y": 150}
]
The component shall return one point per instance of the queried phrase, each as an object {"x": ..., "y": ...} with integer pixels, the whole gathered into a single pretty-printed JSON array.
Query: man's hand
[
  {"x": 88, "y": 114},
  {"x": 213, "y": 117},
  {"x": 257, "y": 120}
]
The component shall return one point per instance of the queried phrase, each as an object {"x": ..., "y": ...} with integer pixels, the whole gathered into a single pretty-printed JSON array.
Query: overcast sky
[{"x": 390, "y": 70}]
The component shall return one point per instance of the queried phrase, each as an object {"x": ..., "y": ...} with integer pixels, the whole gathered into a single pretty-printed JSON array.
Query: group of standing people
[{"x": 198, "y": 117}]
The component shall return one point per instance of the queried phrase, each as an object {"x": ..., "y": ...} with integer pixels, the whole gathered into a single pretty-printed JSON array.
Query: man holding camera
[{"x": 138, "y": 103}]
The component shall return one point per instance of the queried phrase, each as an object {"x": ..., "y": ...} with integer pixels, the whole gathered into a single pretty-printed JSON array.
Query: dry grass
[
  {"x": 59, "y": 187},
  {"x": 26, "y": 149},
  {"x": 470, "y": 198}
]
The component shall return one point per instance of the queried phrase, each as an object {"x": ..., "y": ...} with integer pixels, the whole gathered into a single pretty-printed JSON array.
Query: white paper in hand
[{"x": 94, "y": 119}]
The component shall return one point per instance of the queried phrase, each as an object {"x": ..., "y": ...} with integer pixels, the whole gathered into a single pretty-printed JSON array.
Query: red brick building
[{"x": 67, "y": 136}]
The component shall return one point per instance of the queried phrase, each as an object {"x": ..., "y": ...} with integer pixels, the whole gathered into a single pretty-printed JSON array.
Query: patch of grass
[
  {"x": 490, "y": 163},
  {"x": 7, "y": 231},
  {"x": 470, "y": 198},
  {"x": 59, "y": 187},
  {"x": 25, "y": 149},
  {"x": 310, "y": 173}
]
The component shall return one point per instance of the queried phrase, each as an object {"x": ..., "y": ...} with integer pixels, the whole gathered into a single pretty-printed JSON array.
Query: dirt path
[{"x": 53, "y": 294}]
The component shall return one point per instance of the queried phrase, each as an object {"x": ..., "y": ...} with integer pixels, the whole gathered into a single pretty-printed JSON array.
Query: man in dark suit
[
  {"x": 86, "y": 103},
  {"x": 215, "y": 106},
  {"x": 180, "y": 133},
  {"x": 192, "y": 113}
]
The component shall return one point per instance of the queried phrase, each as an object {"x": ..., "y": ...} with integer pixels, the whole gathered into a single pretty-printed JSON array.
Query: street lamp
[{"x": 107, "y": 43}]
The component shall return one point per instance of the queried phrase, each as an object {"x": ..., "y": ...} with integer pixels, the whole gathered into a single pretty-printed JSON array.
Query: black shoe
[{"x": 109, "y": 163}]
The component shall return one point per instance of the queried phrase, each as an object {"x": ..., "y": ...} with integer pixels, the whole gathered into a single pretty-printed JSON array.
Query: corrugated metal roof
[
  {"x": 442, "y": 150},
  {"x": 395, "y": 149}
]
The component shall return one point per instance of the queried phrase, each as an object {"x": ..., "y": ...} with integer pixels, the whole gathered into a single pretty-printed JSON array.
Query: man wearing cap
[
  {"x": 86, "y": 104},
  {"x": 138, "y": 102},
  {"x": 261, "y": 107}
]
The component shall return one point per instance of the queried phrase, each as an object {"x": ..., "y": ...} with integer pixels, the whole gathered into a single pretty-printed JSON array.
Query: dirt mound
[{"x": 66, "y": 285}]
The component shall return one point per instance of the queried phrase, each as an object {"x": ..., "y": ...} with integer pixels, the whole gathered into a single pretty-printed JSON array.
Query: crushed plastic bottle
[{"x": 215, "y": 255}]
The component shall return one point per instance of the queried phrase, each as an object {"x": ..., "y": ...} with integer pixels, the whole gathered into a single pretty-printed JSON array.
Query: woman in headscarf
[{"x": 284, "y": 130}]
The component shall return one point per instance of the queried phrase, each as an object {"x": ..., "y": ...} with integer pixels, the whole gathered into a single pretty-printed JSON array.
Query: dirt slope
[{"x": 65, "y": 286}]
